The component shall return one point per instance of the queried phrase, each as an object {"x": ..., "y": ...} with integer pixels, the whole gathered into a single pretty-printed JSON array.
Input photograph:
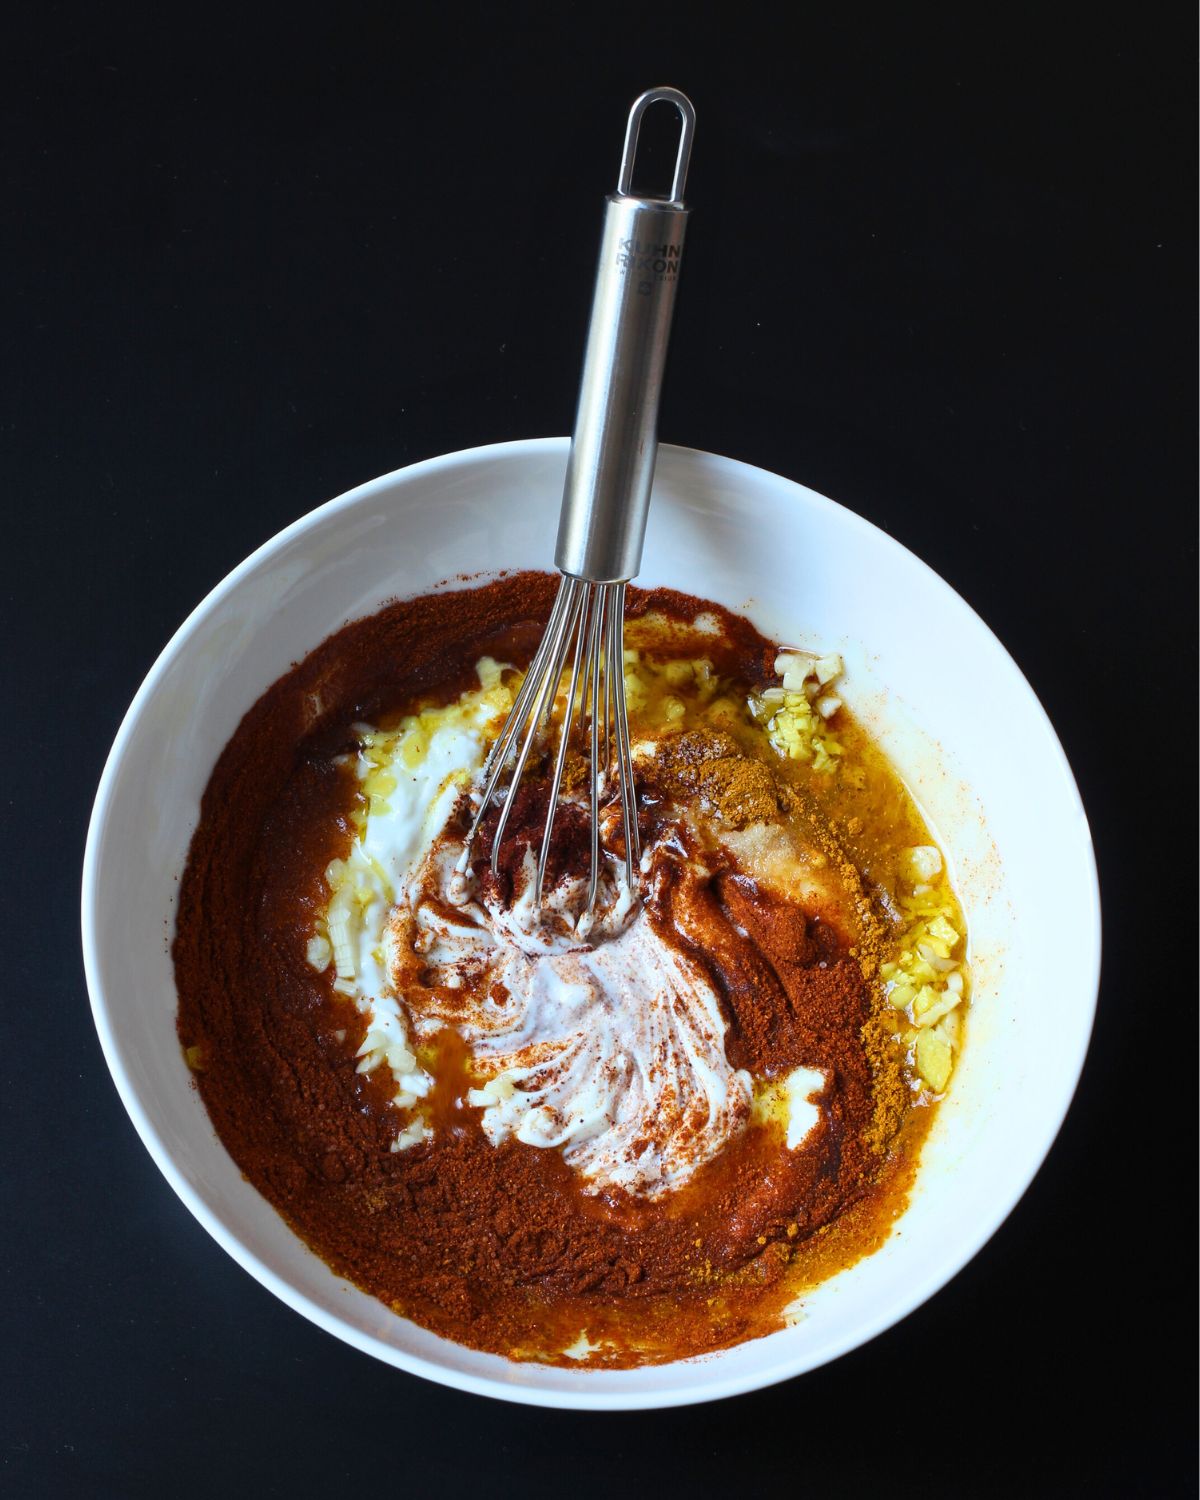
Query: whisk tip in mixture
[{"x": 586, "y": 631}]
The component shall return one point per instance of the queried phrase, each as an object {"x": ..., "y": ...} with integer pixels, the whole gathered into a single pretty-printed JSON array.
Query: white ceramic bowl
[{"x": 945, "y": 699}]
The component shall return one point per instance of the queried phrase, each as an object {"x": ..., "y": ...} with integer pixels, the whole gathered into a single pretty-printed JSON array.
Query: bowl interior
[{"x": 940, "y": 693}]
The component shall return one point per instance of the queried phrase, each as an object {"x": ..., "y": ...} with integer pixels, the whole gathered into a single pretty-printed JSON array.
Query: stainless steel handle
[{"x": 611, "y": 468}]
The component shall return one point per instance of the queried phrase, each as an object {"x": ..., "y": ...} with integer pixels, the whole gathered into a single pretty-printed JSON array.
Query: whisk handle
[{"x": 611, "y": 468}]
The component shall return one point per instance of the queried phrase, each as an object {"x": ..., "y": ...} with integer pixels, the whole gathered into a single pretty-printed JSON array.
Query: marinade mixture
[{"x": 612, "y": 1144}]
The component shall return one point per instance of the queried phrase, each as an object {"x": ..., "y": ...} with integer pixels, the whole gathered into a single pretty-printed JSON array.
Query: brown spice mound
[
  {"x": 892, "y": 1095},
  {"x": 712, "y": 767}
]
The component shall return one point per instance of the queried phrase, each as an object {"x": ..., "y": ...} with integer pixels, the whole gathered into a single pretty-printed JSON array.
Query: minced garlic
[
  {"x": 928, "y": 979},
  {"x": 797, "y": 713}
]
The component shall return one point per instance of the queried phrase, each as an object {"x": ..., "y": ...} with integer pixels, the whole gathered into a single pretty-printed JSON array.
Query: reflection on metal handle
[
  {"x": 687, "y": 129},
  {"x": 611, "y": 468}
]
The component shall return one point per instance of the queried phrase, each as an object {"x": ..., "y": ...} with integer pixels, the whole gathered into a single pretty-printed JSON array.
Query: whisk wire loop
[
  {"x": 546, "y": 689},
  {"x": 494, "y": 765},
  {"x": 597, "y": 770},
  {"x": 582, "y": 603},
  {"x": 616, "y": 654}
]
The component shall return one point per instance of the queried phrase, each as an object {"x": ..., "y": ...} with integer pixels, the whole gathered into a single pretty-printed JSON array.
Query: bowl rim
[{"x": 607, "y": 1399}]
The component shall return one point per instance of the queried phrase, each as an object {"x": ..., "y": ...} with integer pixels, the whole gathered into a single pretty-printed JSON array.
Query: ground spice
[
  {"x": 893, "y": 1096},
  {"x": 500, "y": 1248},
  {"x": 711, "y": 767}
]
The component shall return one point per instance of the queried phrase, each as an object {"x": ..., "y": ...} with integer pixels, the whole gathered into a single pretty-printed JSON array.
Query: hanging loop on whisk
[{"x": 687, "y": 129}]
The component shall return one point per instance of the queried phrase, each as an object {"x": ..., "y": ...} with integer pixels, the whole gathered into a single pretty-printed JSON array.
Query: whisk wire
[
  {"x": 494, "y": 765},
  {"x": 595, "y": 626},
  {"x": 547, "y": 689},
  {"x": 610, "y": 688},
  {"x": 582, "y": 602},
  {"x": 616, "y": 656}
]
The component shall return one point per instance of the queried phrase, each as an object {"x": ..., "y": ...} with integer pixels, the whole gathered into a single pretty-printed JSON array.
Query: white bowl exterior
[{"x": 994, "y": 784}]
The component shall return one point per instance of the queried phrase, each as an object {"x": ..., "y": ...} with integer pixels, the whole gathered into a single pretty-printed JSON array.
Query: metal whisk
[{"x": 605, "y": 501}]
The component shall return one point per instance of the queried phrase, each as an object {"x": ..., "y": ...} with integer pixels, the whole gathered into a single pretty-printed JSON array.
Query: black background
[{"x": 940, "y": 268}]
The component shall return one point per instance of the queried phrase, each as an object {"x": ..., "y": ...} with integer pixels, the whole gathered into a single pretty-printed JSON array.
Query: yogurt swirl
[{"x": 612, "y": 1053}]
